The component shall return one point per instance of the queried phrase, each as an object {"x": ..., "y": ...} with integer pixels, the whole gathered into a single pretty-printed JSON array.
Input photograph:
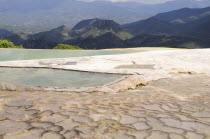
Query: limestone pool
[
  {"x": 29, "y": 54},
  {"x": 57, "y": 78},
  {"x": 54, "y": 78}
]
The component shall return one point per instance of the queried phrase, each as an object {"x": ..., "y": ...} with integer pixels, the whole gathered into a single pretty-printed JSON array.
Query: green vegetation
[
  {"x": 8, "y": 44},
  {"x": 65, "y": 46},
  {"x": 178, "y": 21}
]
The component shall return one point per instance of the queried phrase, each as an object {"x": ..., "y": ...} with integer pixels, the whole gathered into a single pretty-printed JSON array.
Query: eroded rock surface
[{"x": 176, "y": 108}]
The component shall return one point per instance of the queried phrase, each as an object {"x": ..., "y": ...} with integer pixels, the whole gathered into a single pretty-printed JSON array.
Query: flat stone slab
[
  {"x": 19, "y": 103},
  {"x": 135, "y": 66},
  {"x": 161, "y": 109},
  {"x": 31, "y": 134},
  {"x": 9, "y": 126},
  {"x": 52, "y": 135}
]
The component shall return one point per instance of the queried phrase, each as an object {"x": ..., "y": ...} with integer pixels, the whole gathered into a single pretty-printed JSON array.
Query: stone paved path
[{"x": 165, "y": 109}]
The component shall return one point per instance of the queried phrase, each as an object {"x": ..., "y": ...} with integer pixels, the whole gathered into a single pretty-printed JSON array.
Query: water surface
[
  {"x": 29, "y": 54},
  {"x": 55, "y": 78}
]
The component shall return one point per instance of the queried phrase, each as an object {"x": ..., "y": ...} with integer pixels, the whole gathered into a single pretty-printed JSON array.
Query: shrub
[
  {"x": 8, "y": 44},
  {"x": 65, "y": 46}
]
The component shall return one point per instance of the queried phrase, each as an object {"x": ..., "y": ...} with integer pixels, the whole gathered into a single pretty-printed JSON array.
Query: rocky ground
[
  {"x": 177, "y": 108},
  {"x": 171, "y": 99}
]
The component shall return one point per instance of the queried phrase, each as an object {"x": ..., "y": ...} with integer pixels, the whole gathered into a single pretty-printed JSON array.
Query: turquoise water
[
  {"x": 28, "y": 54},
  {"x": 55, "y": 78}
]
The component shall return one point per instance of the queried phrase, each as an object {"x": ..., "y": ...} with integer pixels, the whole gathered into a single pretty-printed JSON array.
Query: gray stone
[
  {"x": 122, "y": 135},
  {"x": 52, "y": 135},
  {"x": 31, "y": 134},
  {"x": 55, "y": 128},
  {"x": 86, "y": 130},
  {"x": 141, "y": 126},
  {"x": 16, "y": 117},
  {"x": 137, "y": 113},
  {"x": 9, "y": 126},
  {"x": 42, "y": 124},
  {"x": 19, "y": 111},
  {"x": 2, "y": 117},
  {"x": 153, "y": 107},
  {"x": 46, "y": 113},
  {"x": 158, "y": 135},
  {"x": 77, "y": 110},
  {"x": 55, "y": 118},
  {"x": 140, "y": 134},
  {"x": 126, "y": 119},
  {"x": 158, "y": 125},
  {"x": 19, "y": 103},
  {"x": 190, "y": 126},
  {"x": 82, "y": 119},
  {"x": 72, "y": 134},
  {"x": 97, "y": 117},
  {"x": 192, "y": 135},
  {"x": 176, "y": 136},
  {"x": 68, "y": 124}
]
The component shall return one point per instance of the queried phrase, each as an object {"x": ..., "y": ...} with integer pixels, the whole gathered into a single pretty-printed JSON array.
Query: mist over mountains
[{"x": 39, "y": 15}]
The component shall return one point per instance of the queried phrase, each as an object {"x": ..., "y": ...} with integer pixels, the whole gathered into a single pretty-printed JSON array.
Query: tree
[
  {"x": 65, "y": 46},
  {"x": 8, "y": 44}
]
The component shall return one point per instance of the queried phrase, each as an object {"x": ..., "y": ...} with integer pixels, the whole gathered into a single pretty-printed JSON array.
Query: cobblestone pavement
[{"x": 165, "y": 109}]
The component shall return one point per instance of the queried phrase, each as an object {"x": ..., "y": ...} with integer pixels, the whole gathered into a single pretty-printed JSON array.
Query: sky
[{"x": 141, "y": 1}]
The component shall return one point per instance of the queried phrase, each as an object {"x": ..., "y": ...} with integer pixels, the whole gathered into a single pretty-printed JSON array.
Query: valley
[
  {"x": 37, "y": 16},
  {"x": 183, "y": 28}
]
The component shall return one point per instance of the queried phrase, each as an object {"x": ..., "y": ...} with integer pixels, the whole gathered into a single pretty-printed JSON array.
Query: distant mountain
[
  {"x": 101, "y": 34},
  {"x": 97, "y": 27},
  {"x": 59, "y": 34},
  {"x": 179, "y": 4},
  {"x": 5, "y": 33},
  {"x": 146, "y": 40},
  {"x": 183, "y": 16},
  {"x": 39, "y": 44},
  {"x": 191, "y": 22},
  {"x": 18, "y": 39},
  {"x": 199, "y": 28},
  {"x": 41, "y": 15},
  {"x": 105, "y": 41},
  {"x": 87, "y": 30},
  {"x": 48, "y": 39},
  {"x": 151, "y": 26},
  {"x": 110, "y": 40}
]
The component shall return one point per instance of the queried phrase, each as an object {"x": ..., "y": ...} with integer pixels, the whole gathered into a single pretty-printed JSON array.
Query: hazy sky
[{"x": 141, "y": 1}]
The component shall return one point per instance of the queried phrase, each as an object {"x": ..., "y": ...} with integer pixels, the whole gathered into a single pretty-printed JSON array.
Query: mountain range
[
  {"x": 41, "y": 15},
  {"x": 84, "y": 30},
  {"x": 186, "y": 21},
  {"x": 183, "y": 28}
]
